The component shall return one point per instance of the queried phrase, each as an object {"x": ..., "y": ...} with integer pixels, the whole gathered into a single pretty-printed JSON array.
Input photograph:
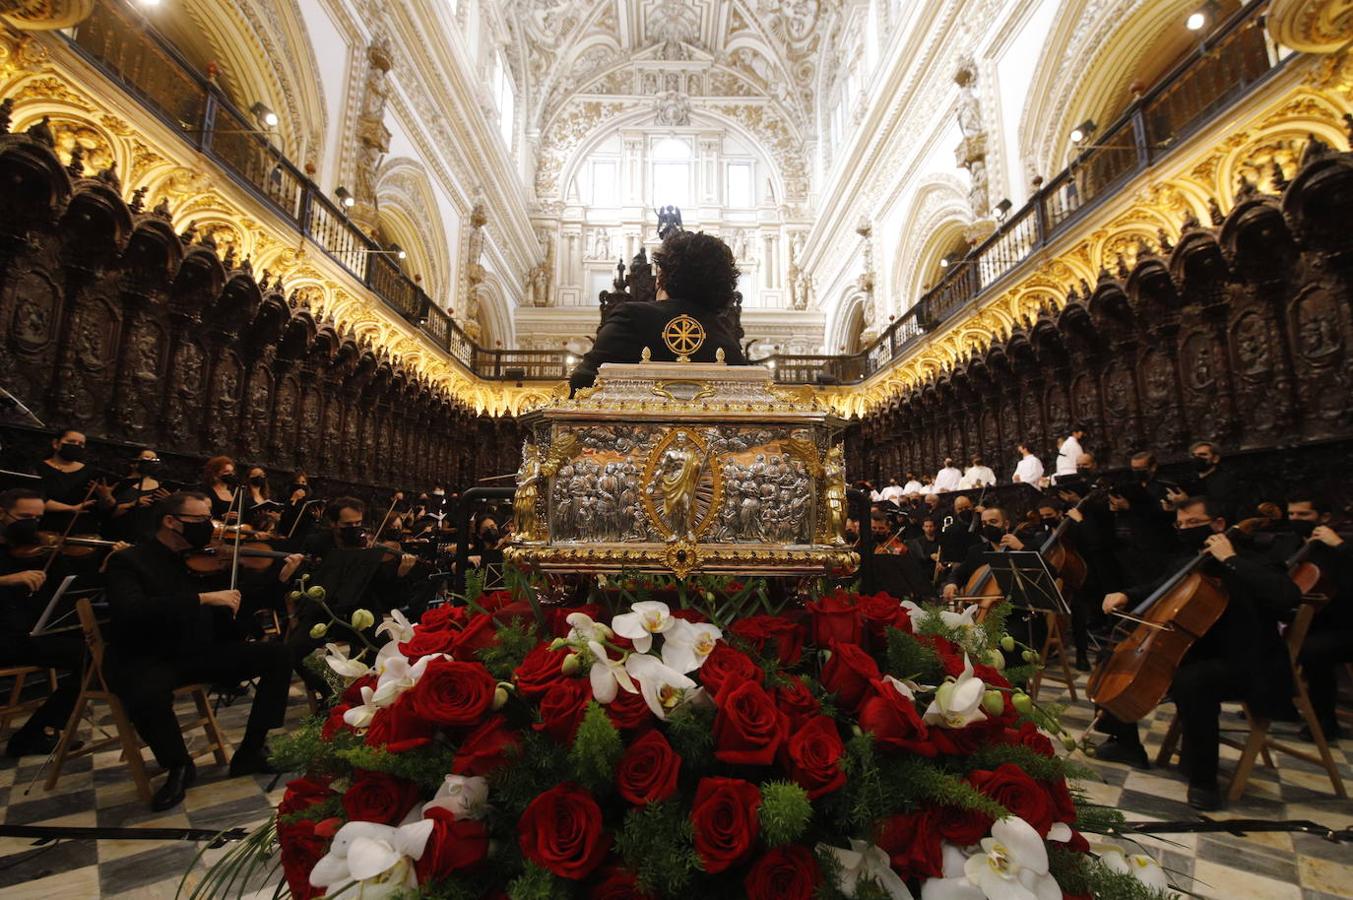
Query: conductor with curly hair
[{"x": 697, "y": 276}]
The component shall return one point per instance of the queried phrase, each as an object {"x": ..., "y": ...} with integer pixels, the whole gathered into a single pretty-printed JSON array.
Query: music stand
[
  {"x": 44, "y": 620},
  {"x": 1026, "y": 581}
]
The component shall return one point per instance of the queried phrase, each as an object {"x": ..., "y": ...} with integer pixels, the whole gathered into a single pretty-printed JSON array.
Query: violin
[
  {"x": 216, "y": 558},
  {"x": 51, "y": 542},
  {"x": 1132, "y": 681}
]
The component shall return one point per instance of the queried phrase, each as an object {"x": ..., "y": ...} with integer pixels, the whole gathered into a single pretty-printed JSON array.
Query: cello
[
  {"x": 1132, "y": 681},
  {"x": 1060, "y": 556}
]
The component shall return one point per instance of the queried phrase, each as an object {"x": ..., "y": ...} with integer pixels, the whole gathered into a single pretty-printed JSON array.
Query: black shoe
[
  {"x": 1082, "y": 663},
  {"x": 1114, "y": 750},
  {"x": 31, "y": 743},
  {"x": 1205, "y": 797},
  {"x": 176, "y": 784},
  {"x": 247, "y": 762}
]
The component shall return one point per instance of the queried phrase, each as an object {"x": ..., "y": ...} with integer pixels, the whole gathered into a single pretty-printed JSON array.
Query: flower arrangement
[{"x": 855, "y": 746}]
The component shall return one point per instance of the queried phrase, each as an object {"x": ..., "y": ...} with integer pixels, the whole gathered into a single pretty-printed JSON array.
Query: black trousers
[
  {"x": 1321, "y": 656},
  {"x": 63, "y": 652},
  {"x": 1199, "y": 688},
  {"x": 146, "y": 687}
]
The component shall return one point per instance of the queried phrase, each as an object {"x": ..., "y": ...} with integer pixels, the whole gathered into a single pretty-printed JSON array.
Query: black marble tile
[
  {"x": 1318, "y": 847},
  {"x": 230, "y": 814},
  {"x": 49, "y": 807},
  {"x": 1250, "y": 858},
  {"x": 125, "y": 815},
  {"x": 41, "y": 862},
  {"x": 148, "y": 867},
  {"x": 1168, "y": 808}
]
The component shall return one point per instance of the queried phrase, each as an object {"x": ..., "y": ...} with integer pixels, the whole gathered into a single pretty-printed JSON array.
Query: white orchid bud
[
  {"x": 362, "y": 619},
  {"x": 319, "y": 630}
]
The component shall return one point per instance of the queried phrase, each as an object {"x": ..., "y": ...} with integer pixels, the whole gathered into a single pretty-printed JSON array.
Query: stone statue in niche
[
  {"x": 971, "y": 154},
  {"x": 474, "y": 272},
  {"x": 601, "y": 244},
  {"x": 373, "y": 138}
]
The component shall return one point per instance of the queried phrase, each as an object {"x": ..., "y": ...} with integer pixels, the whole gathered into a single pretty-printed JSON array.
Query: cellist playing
[{"x": 1241, "y": 657}]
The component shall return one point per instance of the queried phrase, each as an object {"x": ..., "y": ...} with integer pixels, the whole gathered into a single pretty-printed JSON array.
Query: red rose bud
[
  {"x": 453, "y": 693},
  {"x": 835, "y": 618},
  {"x": 814, "y": 752},
  {"x": 849, "y": 674},
  {"x": 784, "y": 873},
  {"x": 724, "y": 817},
  {"x": 648, "y": 771},
  {"x": 560, "y": 831},
  {"x": 748, "y": 727}
]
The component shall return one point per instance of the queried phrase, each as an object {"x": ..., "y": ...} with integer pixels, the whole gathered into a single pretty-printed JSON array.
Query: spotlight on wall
[
  {"x": 1082, "y": 132},
  {"x": 150, "y": 2},
  {"x": 400, "y": 254},
  {"x": 266, "y": 117},
  {"x": 344, "y": 197},
  {"x": 944, "y": 262},
  {"x": 1003, "y": 208},
  {"x": 569, "y": 359},
  {"x": 1196, "y": 21}
]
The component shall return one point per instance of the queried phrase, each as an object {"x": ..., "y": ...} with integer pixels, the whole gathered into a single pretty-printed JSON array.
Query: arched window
[
  {"x": 506, "y": 99},
  {"x": 671, "y": 172}
]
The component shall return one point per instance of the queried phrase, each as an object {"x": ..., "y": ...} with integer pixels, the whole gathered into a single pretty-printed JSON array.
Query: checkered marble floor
[{"x": 97, "y": 791}]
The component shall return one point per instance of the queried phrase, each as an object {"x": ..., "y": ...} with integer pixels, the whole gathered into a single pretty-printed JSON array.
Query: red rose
[
  {"x": 962, "y": 827},
  {"x": 352, "y": 694},
  {"x": 452, "y": 694},
  {"x": 748, "y": 726},
  {"x": 785, "y": 873},
  {"x": 797, "y": 702},
  {"x": 772, "y": 636},
  {"x": 724, "y": 816},
  {"x": 991, "y": 677},
  {"x": 539, "y": 671},
  {"x": 494, "y": 601},
  {"x": 617, "y": 884},
  {"x": 1029, "y": 735},
  {"x": 913, "y": 845},
  {"x": 301, "y": 849},
  {"x": 398, "y": 728},
  {"x": 814, "y": 753},
  {"x": 454, "y": 844},
  {"x": 441, "y": 617},
  {"x": 478, "y": 633},
  {"x": 647, "y": 773},
  {"x": 562, "y": 709},
  {"x": 378, "y": 797},
  {"x": 894, "y": 721},
  {"x": 485, "y": 749},
  {"x": 835, "y": 618},
  {"x": 1011, "y": 787},
  {"x": 962, "y": 741},
  {"x": 560, "y": 831},
  {"x": 1063, "y": 807},
  {"x": 848, "y": 674},
  {"x": 333, "y": 722},
  {"x": 881, "y": 612},
  {"x": 629, "y": 711},
  {"x": 427, "y": 641},
  {"x": 726, "y": 665},
  {"x": 303, "y": 793}
]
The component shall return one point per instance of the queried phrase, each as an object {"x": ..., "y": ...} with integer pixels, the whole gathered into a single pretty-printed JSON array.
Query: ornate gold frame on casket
[{"x": 683, "y": 467}]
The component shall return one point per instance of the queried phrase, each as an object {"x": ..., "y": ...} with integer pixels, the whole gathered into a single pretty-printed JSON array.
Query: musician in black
[
  {"x": 1216, "y": 481},
  {"x": 697, "y": 277},
  {"x": 1143, "y": 511},
  {"x": 961, "y": 535},
  {"x": 70, "y": 488},
  {"x": 1329, "y": 643},
  {"x": 1242, "y": 657},
  {"x": 24, "y": 592},
  {"x": 169, "y": 628},
  {"x": 994, "y": 534}
]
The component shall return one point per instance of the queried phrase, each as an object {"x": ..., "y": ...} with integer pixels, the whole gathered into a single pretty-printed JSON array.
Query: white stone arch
[
  {"x": 495, "y": 314},
  {"x": 407, "y": 206},
  {"x": 939, "y": 211},
  {"x": 846, "y": 321}
]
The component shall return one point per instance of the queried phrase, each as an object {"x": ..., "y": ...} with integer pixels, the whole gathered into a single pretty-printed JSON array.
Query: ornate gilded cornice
[{"x": 1312, "y": 26}]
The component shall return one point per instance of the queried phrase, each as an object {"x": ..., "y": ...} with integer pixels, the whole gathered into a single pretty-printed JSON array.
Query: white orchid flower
[
  {"x": 1139, "y": 865},
  {"x": 607, "y": 675},
  {"x": 378, "y": 858},
  {"x": 398, "y": 626},
  {"x": 464, "y": 797},
  {"x": 583, "y": 629},
  {"x": 398, "y": 676},
  {"x": 1012, "y": 864},
  {"x": 337, "y": 658},
  {"x": 360, "y": 716},
  {"x": 907, "y": 689},
  {"x": 958, "y": 702},
  {"x": 962, "y": 619},
  {"x": 662, "y": 686},
  {"x": 865, "y": 862},
  {"x": 645, "y": 619},
  {"x": 687, "y": 646}
]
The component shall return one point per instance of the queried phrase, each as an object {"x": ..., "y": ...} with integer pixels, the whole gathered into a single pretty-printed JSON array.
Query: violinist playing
[
  {"x": 1241, "y": 657},
  {"x": 1329, "y": 643},
  {"x": 993, "y": 535},
  {"x": 71, "y": 491},
  {"x": 354, "y": 574},
  {"x": 170, "y": 627},
  {"x": 133, "y": 518},
  {"x": 22, "y": 600}
]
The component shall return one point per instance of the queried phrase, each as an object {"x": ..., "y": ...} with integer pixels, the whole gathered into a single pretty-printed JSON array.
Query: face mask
[
  {"x": 294, "y": 487},
  {"x": 965, "y": 515},
  {"x": 258, "y": 481},
  {"x": 489, "y": 536},
  {"x": 880, "y": 536},
  {"x": 1050, "y": 522},
  {"x": 197, "y": 534},
  {"x": 230, "y": 480},
  {"x": 1142, "y": 475},
  {"x": 71, "y": 452},
  {"x": 145, "y": 465},
  {"x": 1202, "y": 465},
  {"x": 22, "y": 532},
  {"x": 1195, "y": 537},
  {"x": 993, "y": 533},
  {"x": 1301, "y": 528},
  {"x": 1083, "y": 470},
  {"x": 352, "y": 535},
  {"x": 852, "y": 535}
]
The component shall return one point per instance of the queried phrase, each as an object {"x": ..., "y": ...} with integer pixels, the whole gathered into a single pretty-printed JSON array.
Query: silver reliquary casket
[{"x": 683, "y": 467}]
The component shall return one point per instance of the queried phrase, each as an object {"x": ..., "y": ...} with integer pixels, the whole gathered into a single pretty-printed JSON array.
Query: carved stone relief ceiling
[{"x": 753, "y": 62}]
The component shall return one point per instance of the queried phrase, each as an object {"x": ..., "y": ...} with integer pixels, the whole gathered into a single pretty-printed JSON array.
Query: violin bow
[
  {"x": 385, "y": 520},
  {"x": 239, "y": 533},
  {"x": 56, "y": 548}
]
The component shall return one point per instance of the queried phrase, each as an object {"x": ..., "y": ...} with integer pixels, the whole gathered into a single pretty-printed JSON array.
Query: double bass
[{"x": 1132, "y": 681}]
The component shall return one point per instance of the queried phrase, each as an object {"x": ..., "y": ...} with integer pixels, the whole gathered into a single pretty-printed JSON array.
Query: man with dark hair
[
  {"x": 697, "y": 277},
  {"x": 994, "y": 534},
  {"x": 170, "y": 627},
  {"x": 1143, "y": 513},
  {"x": 1216, "y": 482},
  {"x": 1241, "y": 657},
  {"x": 22, "y": 600},
  {"x": 1329, "y": 643}
]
